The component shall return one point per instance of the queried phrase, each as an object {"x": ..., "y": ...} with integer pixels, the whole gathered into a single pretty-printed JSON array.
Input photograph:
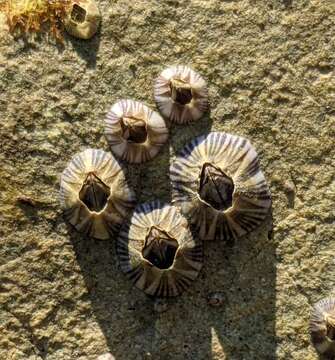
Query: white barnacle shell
[
  {"x": 218, "y": 184},
  {"x": 157, "y": 251},
  {"x": 322, "y": 326},
  {"x": 94, "y": 193},
  {"x": 135, "y": 132},
  {"x": 181, "y": 94},
  {"x": 82, "y": 18}
]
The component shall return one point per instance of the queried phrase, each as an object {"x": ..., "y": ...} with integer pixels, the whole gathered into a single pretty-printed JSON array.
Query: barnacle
[
  {"x": 181, "y": 94},
  {"x": 82, "y": 18},
  {"x": 157, "y": 251},
  {"x": 135, "y": 132},
  {"x": 216, "y": 299},
  {"x": 322, "y": 326},
  {"x": 218, "y": 184},
  {"x": 33, "y": 16},
  {"x": 94, "y": 193}
]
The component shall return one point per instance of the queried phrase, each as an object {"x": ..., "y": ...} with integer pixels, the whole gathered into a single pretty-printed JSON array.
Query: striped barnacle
[
  {"x": 94, "y": 193},
  {"x": 135, "y": 132},
  {"x": 157, "y": 252},
  {"x": 181, "y": 94},
  {"x": 82, "y": 18},
  {"x": 217, "y": 183},
  {"x": 322, "y": 326}
]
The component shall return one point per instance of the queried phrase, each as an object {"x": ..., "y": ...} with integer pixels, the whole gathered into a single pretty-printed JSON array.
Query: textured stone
[{"x": 270, "y": 72}]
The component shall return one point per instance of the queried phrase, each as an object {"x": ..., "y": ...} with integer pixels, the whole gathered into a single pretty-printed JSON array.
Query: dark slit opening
[
  {"x": 216, "y": 188},
  {"x": 159, "y": 248},
  {"x": 134, "y": 130},
  {"x": 181, "y": 92},
  {"x": 94, "y": 193},
  {"x": 78, "y": 14}
]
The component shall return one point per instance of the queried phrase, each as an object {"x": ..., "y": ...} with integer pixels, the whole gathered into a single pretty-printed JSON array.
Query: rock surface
[{"x": 270, "y": 68}]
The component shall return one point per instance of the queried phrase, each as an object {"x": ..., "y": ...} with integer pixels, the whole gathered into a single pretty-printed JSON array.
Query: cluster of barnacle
[
  {"x": 218, "y": 188},
  {"x": 81, "y": 18}
]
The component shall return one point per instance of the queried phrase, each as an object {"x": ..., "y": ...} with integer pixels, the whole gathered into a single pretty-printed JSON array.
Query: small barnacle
[
  {"x": 135, "y": 132},
  {"x": 181, "y": 94},
  {"x": 322, "y": 326},
  {"x": 216, "y": 299},
  {"x": 217, "y": 183},
  {"x": 94, "y": 193},
  {"x": 157, "y": 252},
  {"x": 82, "y": 19}
]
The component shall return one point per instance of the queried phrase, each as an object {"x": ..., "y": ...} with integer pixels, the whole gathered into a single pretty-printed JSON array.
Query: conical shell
[
  {"x": 132, "y": 241},
  {"x": 167, "y": 101},
  {"x": 155, "y": 131},
  {"x": 115, "y": 207},
  {"x": 82, "y": 19},
  {"x": 237, "y": 159},
  {"x": 322, "y": 326}
]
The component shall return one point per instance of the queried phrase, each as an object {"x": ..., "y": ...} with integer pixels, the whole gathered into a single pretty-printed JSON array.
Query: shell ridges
[
  {"x": 150, "y": 276},
  {"x": 112, "y": 199},
  {"x": 235, "y": 157}
]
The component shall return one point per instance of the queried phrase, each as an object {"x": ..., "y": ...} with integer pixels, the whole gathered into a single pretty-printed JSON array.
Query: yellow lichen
[{"x": 34, "y": 16}]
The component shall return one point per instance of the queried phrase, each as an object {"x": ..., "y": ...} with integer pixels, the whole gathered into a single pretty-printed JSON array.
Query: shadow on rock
[{"x": 86, "y": 49}]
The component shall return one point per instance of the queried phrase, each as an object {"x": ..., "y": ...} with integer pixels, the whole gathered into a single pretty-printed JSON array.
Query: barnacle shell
[
  {"x": 322, "y": 326},
  {"x": 107, "y": 356},
  {"x": 157, "y": 252},
  {"x": 216, "y": 299},
  {"x": 134, "y": 131},
  {"x": 181, "y": 94},
  {"x": 217, "y": 183},
  {"x": 94, "y": 193},
  {"x": 82, "y": 19}
]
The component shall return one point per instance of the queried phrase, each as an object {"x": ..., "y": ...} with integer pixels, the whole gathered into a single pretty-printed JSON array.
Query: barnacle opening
[
  {"x": 159, "y": 248},
  {"x": 330, "y": 323},
  {"x": 94, "y": 193},
  {"x": 78, "y": 14},
  {"x": 216, "y": 188},
  {"x": 181, "y": 91},
  {"x": 134, "y": 129}
]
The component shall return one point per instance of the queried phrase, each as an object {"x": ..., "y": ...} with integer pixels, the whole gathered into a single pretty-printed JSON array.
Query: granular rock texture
[{"x": 270, "y": 69}]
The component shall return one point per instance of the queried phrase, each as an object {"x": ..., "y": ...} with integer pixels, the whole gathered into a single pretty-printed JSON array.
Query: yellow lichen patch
[{"x": 34, "y": 16}]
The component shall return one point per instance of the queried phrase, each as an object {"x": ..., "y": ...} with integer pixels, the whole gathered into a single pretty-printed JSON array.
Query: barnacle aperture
[
  {"x": 322, "y": 327},
  {"x": 134, "y": 129},
  {"x": 181, "y": 94},
  {"x": 157, "y": 251},
  {"x": 215, "y": 187},
  {"x": 82, "y": 18},
  {"x": 181, "y": 91},
  {"x": 134, "y": 132},
  {"x": 78, "y": 14},
  {"x": 159, "y": 248},
  {"x": 94, "y": 193},
  {"x": 218, "y": 184}
]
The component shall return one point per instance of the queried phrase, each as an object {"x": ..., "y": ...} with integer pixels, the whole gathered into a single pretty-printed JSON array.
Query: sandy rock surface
[{"x": 270, "y": 67}]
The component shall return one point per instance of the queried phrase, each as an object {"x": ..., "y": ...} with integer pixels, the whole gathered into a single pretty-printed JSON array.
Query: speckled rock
[{"x": 270, "y": 70}]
